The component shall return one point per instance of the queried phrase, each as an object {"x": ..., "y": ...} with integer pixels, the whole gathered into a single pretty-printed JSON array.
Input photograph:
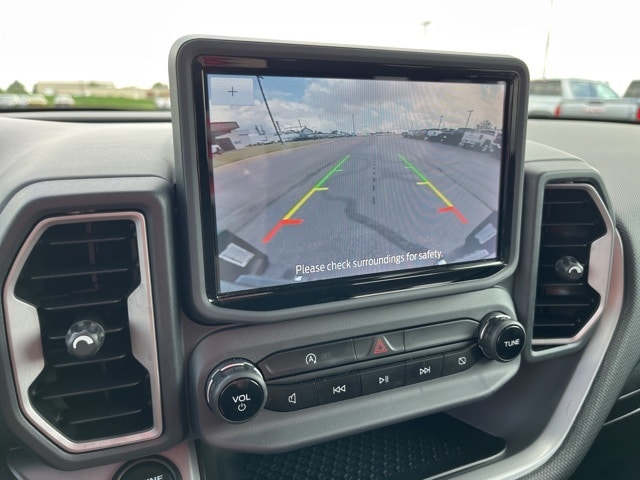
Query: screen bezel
[{"x": 344, "y": 62}]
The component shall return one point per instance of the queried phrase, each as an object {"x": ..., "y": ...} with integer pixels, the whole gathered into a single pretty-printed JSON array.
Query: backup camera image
[{"x": 320, "y": 178}]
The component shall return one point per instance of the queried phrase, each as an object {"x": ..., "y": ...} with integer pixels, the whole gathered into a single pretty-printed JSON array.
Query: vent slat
[
  {"x": 97, "y": 413},
  {"x": 61, "y": 240},
  {"x": 73, "y": 388},
  {"x": 568, "y": 224},
  {"x": 554, "y": 302},
  {"x": 61, "y": 359},
  {"x": 59, "y": 332},
  {"x": 82, "y": 300},
  {"x": 62, "y": 273},
  {"x": 556, "y": 324}
]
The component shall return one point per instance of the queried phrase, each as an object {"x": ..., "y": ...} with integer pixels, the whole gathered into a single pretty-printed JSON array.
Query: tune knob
[
  {"x": 500, "y": 337},
  {"x": 236, "y": 390}
]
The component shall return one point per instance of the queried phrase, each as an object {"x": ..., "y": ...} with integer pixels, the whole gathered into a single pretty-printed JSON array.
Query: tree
[
  {"x": 160, "y": 85},
  {"x": 484, "y": 124},
  {"x": 16, "y": 87}
]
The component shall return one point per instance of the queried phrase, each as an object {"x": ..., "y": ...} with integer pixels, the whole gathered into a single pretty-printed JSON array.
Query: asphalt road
[{"x": 358, "y": 205}]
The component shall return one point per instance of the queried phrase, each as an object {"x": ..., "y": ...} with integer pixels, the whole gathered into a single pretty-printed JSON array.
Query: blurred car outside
[
  {"x": 633, "y": 90},
  {"x": 37, "y": 100},
  {"x": 546, "y": 95},
  {"x": 9, "y": 100},
  {"x": 63, "y": 100}
]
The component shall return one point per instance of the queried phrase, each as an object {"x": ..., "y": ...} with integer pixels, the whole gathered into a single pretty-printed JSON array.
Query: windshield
[{"x": 65, "y": 55}]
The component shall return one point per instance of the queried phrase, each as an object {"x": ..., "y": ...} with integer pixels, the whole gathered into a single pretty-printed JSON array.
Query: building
[{"x": 98, "y": 89}]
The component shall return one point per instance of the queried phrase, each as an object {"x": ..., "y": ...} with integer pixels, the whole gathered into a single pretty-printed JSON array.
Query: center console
[{"x": 351, "y": 218}]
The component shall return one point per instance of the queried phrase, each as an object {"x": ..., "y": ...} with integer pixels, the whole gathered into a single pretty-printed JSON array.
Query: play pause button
[{"x": 381, "y": 379}]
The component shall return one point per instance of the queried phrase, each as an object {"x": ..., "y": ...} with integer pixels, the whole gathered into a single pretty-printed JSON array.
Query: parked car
[
  {"x": 454, "y": 137},
  {"x": 620, "y": 109},
  {"x": 418, "y": 134},
  {"x": 37, "y": 100},
  {"x": 436, "y": 135},
  {"x": 633, "y": 90},
  {"x": 9, "y": 101},
  {"x": 482, "y": 140},
  {"x": 63, "y": 100},
  {"x": 546, "y": 95}
]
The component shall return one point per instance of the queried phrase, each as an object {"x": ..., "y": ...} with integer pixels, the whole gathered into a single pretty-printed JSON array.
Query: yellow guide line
[
  {"x": 297, "y": 206},
  {"x": 437, "y": 192}
]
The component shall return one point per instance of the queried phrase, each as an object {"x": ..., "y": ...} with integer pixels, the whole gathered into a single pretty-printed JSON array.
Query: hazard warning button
[{"x": 378, "y": 346}]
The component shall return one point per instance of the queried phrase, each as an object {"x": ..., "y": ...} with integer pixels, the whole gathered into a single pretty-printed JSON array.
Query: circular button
[
  {"x": 509, "y": 343},
  {"x": 236, "y": 390},
  {"x": 240, "y": 400},
  {"x": 500, "y": 337},
  {"x": 148, "y": 468}
]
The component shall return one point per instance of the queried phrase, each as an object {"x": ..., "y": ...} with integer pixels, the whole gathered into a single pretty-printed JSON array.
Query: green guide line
[{"x": 332, "y": 171}]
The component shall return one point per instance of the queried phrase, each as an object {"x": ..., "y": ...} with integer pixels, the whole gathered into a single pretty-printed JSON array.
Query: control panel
[
  {"x": 274, "y": 386},
  {"x": 324, "y": 373}
]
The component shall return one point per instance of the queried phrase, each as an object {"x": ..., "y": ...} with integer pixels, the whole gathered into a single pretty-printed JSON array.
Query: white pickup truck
[
  {"x": 483, "y": 140},
  {"x": 576, "y": 98}
]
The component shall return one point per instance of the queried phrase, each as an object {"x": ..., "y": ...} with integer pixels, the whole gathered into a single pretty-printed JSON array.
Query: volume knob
[
  {"x": 236, "y": 390},
  {"x": 500, "y": 337}
]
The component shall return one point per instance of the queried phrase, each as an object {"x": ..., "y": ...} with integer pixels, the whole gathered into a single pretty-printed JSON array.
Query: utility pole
[
  {"x": 546, "y": 50},
  {"x": 268, "y": 109},
  {"x": 440, "y": 122},
  {"x": 468, "y": 118},
  {"x": 353, "y": 120}
]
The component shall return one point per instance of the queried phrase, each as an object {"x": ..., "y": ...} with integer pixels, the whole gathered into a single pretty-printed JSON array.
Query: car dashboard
[{"x": 111, "y": 369}]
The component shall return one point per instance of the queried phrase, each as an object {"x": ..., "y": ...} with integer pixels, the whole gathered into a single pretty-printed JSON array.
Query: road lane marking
[
  {"x": 287, "y": 220},
  {"x": 426, "y": 182}
]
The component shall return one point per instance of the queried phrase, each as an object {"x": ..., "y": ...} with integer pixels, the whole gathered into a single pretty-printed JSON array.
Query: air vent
[
  {"x": 574, "y": 263},
  {"x": 89, "y": 268}
]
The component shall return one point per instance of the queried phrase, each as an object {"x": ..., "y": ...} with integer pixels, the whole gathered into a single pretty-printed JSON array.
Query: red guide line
[
  {"x": 455, "y": 211},
  {"x": 279, "y": 225}
]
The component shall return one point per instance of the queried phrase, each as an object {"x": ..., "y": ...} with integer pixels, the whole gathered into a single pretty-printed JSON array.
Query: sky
[
  {"x": 341, "y": 104},
  {"x": 127, "y": 42}
]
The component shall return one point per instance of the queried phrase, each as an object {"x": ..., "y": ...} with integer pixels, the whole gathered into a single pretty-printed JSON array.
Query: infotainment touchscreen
[
  {"x": 311, "y": 174},
  {"x": 324, "y": 178}
]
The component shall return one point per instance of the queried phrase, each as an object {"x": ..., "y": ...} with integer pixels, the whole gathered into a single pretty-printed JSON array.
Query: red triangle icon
[{"x": 380, "y": 347}]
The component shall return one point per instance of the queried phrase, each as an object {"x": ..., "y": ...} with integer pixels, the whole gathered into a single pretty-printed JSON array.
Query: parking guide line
[
  {"x": 426, "y": 182},
  {"x": 318, "y": 187},
  {"x": 297, "y": 206}
]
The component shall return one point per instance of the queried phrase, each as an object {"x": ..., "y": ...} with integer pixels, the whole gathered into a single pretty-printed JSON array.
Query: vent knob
[
  {"x": 84, "y": 338},
  {"x": 236, "y": 390},
  {"x": 570, "y": 269},
  {"x": 500, "y": 337}
]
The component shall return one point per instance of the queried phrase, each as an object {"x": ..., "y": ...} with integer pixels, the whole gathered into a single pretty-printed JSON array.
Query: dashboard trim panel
[{"x": 23, "y": 332}]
